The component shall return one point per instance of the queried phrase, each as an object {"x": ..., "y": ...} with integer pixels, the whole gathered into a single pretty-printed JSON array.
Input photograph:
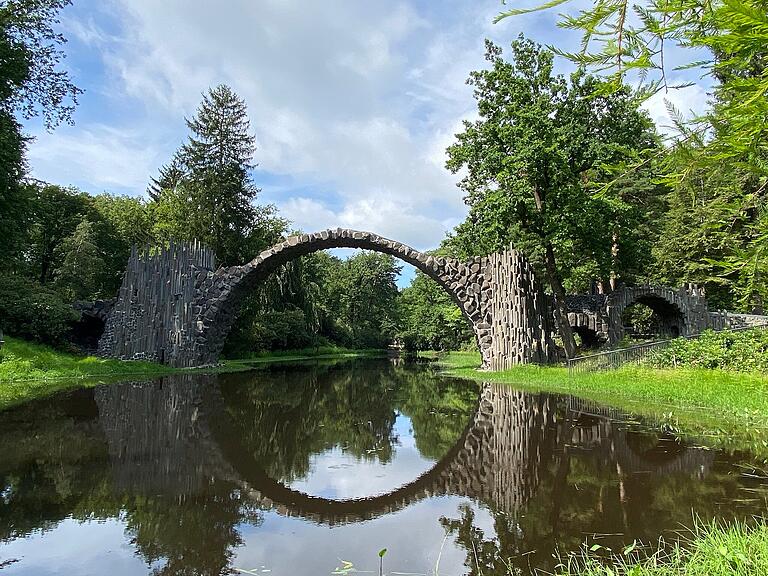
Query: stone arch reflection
[
  {"x": 172, "y": 437},
  {"x": 186, "y": 473}
]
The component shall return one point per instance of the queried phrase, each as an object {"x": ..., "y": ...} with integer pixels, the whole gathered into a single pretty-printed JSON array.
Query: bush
[
  {"x": 34, "y": 312},
  {"x": 743, "y": 351}
]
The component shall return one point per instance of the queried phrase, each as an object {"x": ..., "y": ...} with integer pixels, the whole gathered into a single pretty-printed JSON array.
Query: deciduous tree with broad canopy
[{"x": 528, "y": 161}]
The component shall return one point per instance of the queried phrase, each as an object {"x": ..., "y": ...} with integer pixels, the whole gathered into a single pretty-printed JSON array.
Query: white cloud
[
  {"x": 688, "y": 101},
  {"x": 358, "y": 100},
  {"x": 94, "y": 157},
  {"x": 390, "y": 219}
]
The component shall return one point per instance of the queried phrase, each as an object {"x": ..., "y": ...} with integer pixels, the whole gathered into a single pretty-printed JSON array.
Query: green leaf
[{"x": 518, "y": 11}]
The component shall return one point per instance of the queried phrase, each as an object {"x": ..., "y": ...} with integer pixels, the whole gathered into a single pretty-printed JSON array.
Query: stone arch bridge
[
  {"x": 176, "y": 307},
  {"x": 681, "y": 312}
]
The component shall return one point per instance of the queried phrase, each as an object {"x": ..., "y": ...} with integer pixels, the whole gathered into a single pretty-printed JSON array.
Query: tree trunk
[
  {"x": 614, "y": 259},
  {"x": 561, "y": 309}
]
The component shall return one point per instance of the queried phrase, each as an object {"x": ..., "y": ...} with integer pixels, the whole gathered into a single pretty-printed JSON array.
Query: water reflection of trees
[
  {"x": 142, "y": 451},
  {"x": 145, "y": 453},
  {"x": 285, "y": 416}
]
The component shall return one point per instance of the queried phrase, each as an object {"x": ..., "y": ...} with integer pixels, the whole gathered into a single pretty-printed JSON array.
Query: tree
[
  {"x": 34, "y": 312},
  {"x": 632, "y": 38},
  {"x": 206, "y": 192},
  {"x": 55, "y": 214},
  {"x": 81, "y": 264},
  {"x": 714, "y": 234},
  {"x": 14, "y": 207},
  {"x": 364, "y": 297},
  {"x": 121, "y": 222},
  {"x": 429, "y": 319},
  {"x": 13, "y": 69},
  {"x": 32, "y": 83},
  {"x": 169, "y": 177},
  {"x": 539, "y": 142}
]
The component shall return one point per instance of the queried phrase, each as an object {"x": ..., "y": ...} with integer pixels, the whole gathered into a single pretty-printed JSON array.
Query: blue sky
[{"x": 352, "y": 103}]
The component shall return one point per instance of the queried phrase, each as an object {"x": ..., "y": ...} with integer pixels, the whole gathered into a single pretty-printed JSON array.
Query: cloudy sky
[{"x": 352, "y": 103}]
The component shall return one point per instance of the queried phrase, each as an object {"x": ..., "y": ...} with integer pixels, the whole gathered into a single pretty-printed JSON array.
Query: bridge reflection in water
[
  {"x": 174, "y": 436},
  {"x": 192, "y": 459}
]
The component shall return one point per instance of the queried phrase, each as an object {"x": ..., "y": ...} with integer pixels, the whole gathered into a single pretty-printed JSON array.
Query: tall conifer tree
[{"x": 206, "y": 192}]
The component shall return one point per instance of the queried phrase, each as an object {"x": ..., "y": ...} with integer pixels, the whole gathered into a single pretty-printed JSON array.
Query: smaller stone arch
[{"x": 683, "y": 311}]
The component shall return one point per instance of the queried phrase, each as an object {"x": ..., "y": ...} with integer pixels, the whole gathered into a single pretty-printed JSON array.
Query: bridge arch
[
  {"x": 681, "y": 312},
  {"x": 221, "y": 294},
  {"x": 175, "y": 307}
]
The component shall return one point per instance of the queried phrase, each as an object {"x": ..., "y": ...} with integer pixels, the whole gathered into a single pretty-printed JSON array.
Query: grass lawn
[
  {"x": 29, "y": 370},
  {"x": 729, "y": 407}
]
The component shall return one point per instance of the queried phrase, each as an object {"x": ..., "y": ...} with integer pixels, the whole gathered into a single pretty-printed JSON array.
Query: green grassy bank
[
  {"x": 730, "y": 407},
  {"x": 714, "y": 550},
  {"x": 29, "y": 370}
]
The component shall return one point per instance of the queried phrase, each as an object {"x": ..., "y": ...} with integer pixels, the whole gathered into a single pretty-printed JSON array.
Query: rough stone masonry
[{"x": 176, "y": 307}]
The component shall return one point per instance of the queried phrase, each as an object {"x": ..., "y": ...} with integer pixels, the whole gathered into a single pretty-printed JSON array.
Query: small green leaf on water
[
  {"x": 594, "y": 547},
  {"x": 382, "y": 552}
]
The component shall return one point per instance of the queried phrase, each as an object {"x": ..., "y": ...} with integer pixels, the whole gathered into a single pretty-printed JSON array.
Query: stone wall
[
  {"x": 723, "y": 320},
  {"x": 588, "y": 311}
]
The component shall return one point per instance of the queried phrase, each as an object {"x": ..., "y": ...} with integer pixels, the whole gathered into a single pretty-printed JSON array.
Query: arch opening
[
  {"x": 462, "y": 281},
  {"x": 322, "y": 299},
  {"x": 588, "y": 339},
  {"x": 651, "y": 316}
]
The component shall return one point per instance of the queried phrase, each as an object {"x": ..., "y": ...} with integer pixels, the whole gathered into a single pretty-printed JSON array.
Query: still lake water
[{"x": 293, "y": 469}]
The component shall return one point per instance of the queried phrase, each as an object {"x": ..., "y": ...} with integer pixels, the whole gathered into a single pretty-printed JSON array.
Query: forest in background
[{"x": 568, "y": 169}]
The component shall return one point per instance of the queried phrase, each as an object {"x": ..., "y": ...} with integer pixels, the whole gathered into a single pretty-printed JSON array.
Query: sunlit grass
[
  {"x": 29, "y": 370},
  {"x": 713, "y": 550},
  {"x": 21, "y": 360}
]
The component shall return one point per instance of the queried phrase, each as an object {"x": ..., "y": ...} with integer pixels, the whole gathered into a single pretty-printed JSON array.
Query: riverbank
[
  {"x": 29, "y": 370},
  {"x": 307, "y": 354},
  {"x": 713, "y": 550},
  {"x": 729, "y": 407}
]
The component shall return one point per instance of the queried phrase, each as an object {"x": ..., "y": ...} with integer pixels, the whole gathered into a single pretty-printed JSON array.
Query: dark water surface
[{"x": 291, "y": 470}]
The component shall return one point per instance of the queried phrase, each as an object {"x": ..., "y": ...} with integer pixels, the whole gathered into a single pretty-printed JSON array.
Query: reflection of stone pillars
[
  {"x": 502, "y": 456},
  {"x": 157, "y": 440},
  {"x": 163, "y": 439}
]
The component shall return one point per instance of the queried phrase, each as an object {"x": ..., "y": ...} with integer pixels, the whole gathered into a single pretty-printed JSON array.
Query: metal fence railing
[{"x": 612, "y": 359}]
